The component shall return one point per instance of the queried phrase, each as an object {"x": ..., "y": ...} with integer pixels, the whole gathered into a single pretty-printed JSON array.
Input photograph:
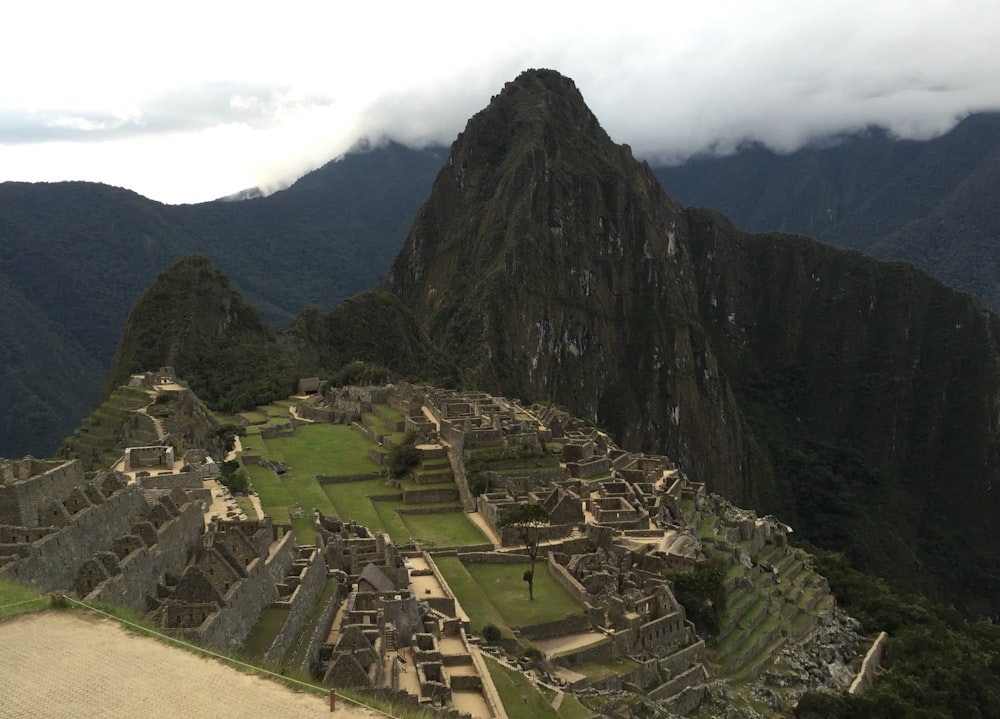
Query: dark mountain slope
[
  {"x": 549, "y": 265},
  {"x": 856, "y": 398},
  {"x": 191, "y": 319},
  {"x": 876, "y": 390},
  {"x": 43, "y": 377},
  {"x": 373, "y": 327},
  {"x": 930, "y": 203},
  {"x": 79, "y": 254}
]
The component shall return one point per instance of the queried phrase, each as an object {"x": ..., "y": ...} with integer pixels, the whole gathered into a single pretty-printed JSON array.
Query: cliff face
[{"x": 858, "y": 399}]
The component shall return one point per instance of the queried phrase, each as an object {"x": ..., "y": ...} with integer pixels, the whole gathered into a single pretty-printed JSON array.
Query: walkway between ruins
[{"x": 59, "y": 664}]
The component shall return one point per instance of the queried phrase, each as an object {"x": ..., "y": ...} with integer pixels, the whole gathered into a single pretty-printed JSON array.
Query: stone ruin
[
  {"x": 93, "y": 535},
  {"x": 381, "y": 618}
]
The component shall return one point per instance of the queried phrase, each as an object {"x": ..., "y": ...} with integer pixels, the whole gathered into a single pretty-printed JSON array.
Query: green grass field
[
  {"x": 497, "y": 594},
  {"x": 340, "y": 450}
]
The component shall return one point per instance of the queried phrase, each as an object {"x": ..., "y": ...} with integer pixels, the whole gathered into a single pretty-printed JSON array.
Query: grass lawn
[
  {"x": 301, "y": 643},
  {"x": 15, "y": 599},
  {"x": 350, "y": 500},
  {"x": 274, "y": 497},
  {"x": 390, "y": 412},
  {"x": 331, "y": 449},
  {"x": 571, "y": 708},
  {"x": 263, "y": 634},
  {"x": 507, "y": 590},
  {"x": 520, "y": 698},
  {"x": 443, "y": 530},
  {"x": 497, "y": 594},
  {"x": 247, "y": 506},
  {"x": 470, "y": 595}
]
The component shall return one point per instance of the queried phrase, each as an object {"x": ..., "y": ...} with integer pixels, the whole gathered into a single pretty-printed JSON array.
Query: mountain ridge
[{"x": 78, "y": 255}]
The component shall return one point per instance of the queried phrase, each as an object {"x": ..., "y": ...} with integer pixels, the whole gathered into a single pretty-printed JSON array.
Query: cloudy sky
[{"x": 185, "y": 101}]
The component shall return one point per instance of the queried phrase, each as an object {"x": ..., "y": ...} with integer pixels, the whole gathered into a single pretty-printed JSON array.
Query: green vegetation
[
  {"x": 98, "y": 440},
  {"x": 190, "y": 318},
  {"x": 527, "y": 519},
  {"x": 347, "y": 349},
  {"x": 403, "y": 458},
  {"x": 521, "y": 699},
  {"x": 272, "y": 619},
  {"x": 340, "y": 450},
  {"x": 936, "y": 665},
  {"x": 16, "y": 599},
  {"x": 493, "y": 594},
  {"x": 703, "y": 595}
]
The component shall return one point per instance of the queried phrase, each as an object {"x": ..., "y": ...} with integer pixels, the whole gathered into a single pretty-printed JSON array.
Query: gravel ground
[{"x": 71, "y": 664}]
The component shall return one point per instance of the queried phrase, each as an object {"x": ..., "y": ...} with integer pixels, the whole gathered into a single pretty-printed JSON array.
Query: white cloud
[{"x": 191, "y": 101}]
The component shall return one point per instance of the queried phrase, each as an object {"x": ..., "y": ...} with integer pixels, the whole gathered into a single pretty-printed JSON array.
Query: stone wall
[
  {"x": 327, "y": 479},
  {"x": 22, "y": 495},
  {"x": 567, "y": 580},
  {"x": 145, "y": 566},
  {"x": 570, "y": 624},
  {"x": 300, "y": 604},
  {"x": 183, "y": 480},
  {"x": 870, "y": 665},
  {"x": 427, "y": 496},
  {"x": 53, "y": 562},
  {"x": 322, "y": 630},
  {"x": 229, "y": 628}
]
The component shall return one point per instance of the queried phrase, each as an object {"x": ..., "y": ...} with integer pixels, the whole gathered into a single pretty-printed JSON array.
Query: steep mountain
[
  {"x": 930, "y": 203},
  {"x": 373, "y": 327},
  {"x": 191, "y": 319},
  {"x": 75, "y": 256},
  {"x": 859, "y": 399}
]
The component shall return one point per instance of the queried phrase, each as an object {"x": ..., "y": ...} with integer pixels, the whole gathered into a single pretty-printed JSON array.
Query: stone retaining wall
[
  {"x": 327, "y": 479},
  {"x": 53, "y": 562},
  {"x": 870, "y": 665},
  {"x": 313, "y": 581},
  {"x": 144, "y": 567},
  {"x": 22, "y": 493},
  {"x": 322, "y": 630},
  {"x": 428, "y": 496},
  {"x": 228, "y": 629},
  {"x": 183, "y": 480}
]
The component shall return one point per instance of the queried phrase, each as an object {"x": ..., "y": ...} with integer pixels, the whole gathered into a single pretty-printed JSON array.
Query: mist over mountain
[
  {"x": 931, "y": 203},
  {"x": 75, "y": 256}
]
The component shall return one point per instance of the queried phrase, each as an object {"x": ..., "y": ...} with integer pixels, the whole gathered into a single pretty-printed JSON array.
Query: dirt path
[{"x": 59, "y": 664}]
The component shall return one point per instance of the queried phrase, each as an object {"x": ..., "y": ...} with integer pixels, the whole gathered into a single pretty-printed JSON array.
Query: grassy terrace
[
  {"x": 521, "y": 699},
  {"x": 497, "y": 594},
  {"x": 340, "y": 451},
  {"x": 270, "y": 623},
  {"x": 15, "y": 599},
  {"x": 297, "y": 653}
]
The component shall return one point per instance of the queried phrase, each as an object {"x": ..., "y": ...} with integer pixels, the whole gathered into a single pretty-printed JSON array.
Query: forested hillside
[
  {"x": 932, "y": 203},
  {"x": 75, "y": 256}
]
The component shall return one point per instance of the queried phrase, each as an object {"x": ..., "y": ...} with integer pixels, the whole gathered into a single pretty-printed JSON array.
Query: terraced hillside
[{"x": 120, "y": 421}]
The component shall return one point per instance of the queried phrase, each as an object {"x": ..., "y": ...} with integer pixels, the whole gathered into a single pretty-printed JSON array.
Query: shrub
[{"x": 491, "y": 634}]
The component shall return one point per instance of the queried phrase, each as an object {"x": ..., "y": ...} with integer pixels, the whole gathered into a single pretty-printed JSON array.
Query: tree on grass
[{"x": 527, "y": 519}]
